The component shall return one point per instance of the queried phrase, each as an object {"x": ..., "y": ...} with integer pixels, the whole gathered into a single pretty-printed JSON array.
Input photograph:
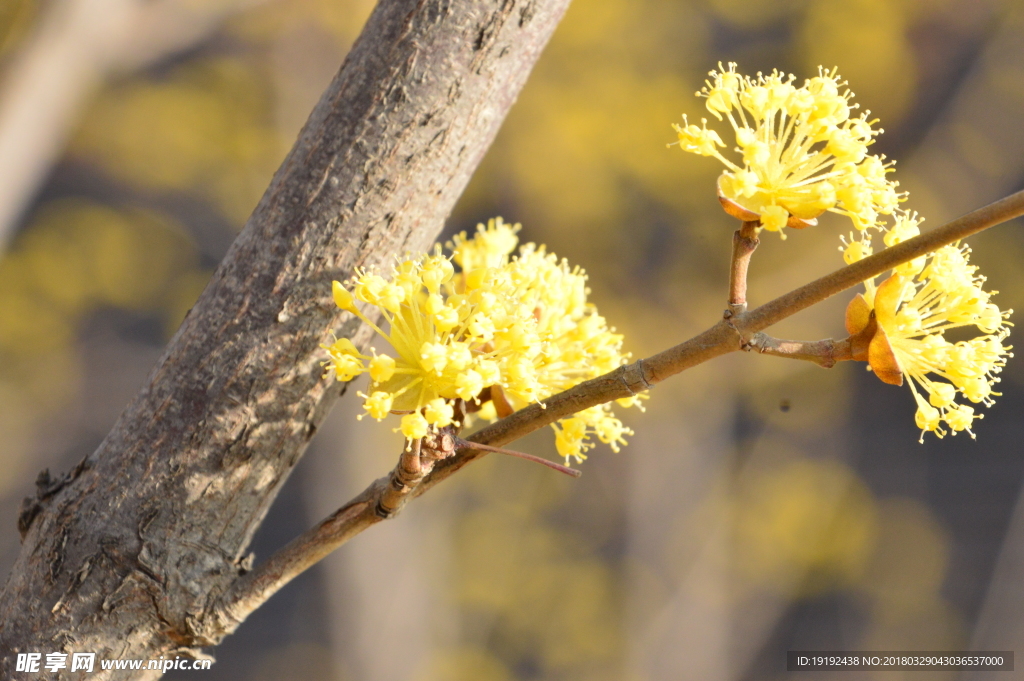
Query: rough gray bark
[{"x": 125, "y": 555}]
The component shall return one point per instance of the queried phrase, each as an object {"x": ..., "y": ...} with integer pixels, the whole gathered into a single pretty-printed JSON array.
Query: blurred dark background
[{"x": 762, "y": 506}]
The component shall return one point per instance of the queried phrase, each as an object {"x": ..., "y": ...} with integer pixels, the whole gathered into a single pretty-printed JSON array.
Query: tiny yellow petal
[{"x": 342, "y": 297}]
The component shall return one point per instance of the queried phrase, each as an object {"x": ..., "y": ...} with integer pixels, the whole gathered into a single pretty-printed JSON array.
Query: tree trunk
[{"x": 125, "y": 555}]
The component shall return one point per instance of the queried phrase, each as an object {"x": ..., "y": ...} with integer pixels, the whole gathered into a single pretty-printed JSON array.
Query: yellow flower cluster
[
  {"x": 802, "y": 153},
  {"x": 499, "y": 333},
  {"x": 912, "y": 309}
]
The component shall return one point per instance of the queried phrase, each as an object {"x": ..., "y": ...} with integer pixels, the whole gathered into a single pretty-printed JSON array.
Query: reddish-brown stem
[
  {"x": 744, "y": 242},
  {"x": 469, "y": 444}
]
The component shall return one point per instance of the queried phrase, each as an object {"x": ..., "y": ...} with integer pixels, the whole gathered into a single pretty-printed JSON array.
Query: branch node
[
  {"x": 641, "y": 374},
  {"x": 734, "y": 319},
  {"x": 755, "y": 342},
  {"x": 734, "y": 310},
  {"x": 402, "y": 480}
]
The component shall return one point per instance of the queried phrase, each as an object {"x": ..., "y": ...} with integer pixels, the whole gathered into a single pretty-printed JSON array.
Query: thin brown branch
[
  {"x": 728, "y": 335},
  {"x": 824, "y": 353},
  {"x": 818, "y": 290},
  {"x": 744, "y": 243},
  {"x": 252, "y": 590},
  {"x": 383, "y": 499},
  {"x": 469, "y": 444}
]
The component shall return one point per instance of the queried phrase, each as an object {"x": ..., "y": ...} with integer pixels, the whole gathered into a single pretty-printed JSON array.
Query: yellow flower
[
  {"x": 855, "y": 249},
  {"x": 439, "y": 412},
  {"x": 489, "y": 247},
  {"x": 912, "y": 310},
  {"x": 503, "y": 332},
  {"x": 801, "y": 152},
  {"x": 906, "y": 226},
  {"x": 345, "y": 359},
  {"x": 377, "y": 404},
  {"x": 414, "y": 426},
  {"x": 382, "y": 367}
]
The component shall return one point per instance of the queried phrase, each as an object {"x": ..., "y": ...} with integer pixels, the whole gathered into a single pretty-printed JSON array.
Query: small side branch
[
  {"x": 825, "y": 353},
  {"x": 744, "y": 243},
  {"x": 469, "y": 444}
]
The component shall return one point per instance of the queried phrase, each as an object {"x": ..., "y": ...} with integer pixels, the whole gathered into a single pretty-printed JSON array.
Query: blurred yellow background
[{"x": 762, "y": 505}]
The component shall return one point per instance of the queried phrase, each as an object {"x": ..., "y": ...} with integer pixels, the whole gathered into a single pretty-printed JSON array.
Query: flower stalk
[{"x": 744, "y": 243}]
